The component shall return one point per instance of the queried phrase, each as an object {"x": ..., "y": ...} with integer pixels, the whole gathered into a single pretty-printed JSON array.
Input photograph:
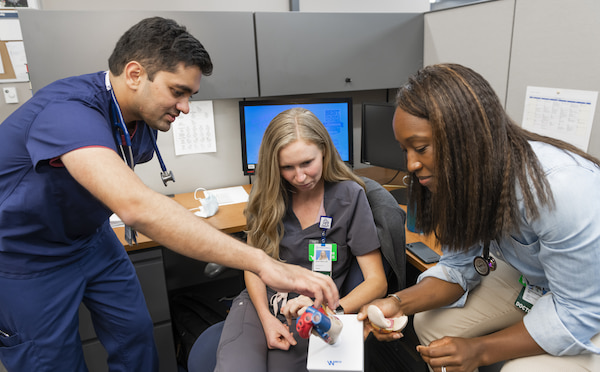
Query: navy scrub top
[
  {"x": 353, "y": 229},
  {"x": 46, "y": 217}
]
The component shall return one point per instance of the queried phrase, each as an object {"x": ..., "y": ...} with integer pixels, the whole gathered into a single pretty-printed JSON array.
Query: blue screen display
[{"x": 255, "y": 116}]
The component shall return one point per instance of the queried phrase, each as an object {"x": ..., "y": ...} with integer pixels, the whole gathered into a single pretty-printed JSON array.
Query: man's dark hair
[{"x": 159, "y": 44}]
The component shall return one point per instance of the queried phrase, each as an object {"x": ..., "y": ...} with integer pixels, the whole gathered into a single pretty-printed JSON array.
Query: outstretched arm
[
  {"x": 173, "y": 226},
  {"x": 430, "y": 293},
  {"x": 468, "y": 354}
]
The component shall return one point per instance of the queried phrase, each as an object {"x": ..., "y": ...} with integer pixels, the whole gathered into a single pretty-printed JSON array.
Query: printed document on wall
[
  {"x": 194, "y": 132},
  {"x": 16, "y": 52},
  {"x": 564, "y": 114}
]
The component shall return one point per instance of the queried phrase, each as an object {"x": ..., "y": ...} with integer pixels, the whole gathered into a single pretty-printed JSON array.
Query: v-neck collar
[{"x": 290, "y": 209}]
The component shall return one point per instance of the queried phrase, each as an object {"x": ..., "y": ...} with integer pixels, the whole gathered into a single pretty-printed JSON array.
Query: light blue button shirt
[{"x": 559, "y": 251}]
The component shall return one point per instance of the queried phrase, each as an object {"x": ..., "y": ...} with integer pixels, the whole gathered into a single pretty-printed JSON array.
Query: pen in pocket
[{"x": 2, "y": 333}]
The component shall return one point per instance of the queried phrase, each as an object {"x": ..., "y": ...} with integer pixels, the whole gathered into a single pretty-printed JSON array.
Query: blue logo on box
[{"x": 333, "y": 362}]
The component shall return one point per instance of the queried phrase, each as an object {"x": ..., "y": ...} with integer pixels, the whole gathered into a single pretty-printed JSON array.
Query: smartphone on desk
[{"x": 423, "y": 252}]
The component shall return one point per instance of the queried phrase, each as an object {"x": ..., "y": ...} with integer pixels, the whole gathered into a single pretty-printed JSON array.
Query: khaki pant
[{"x": 489, "y": 308}]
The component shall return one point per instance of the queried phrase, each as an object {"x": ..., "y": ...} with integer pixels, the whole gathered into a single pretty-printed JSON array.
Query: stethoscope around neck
[
  {"x": 485, "y": 263},
  {"x": 123, "y": 139}
]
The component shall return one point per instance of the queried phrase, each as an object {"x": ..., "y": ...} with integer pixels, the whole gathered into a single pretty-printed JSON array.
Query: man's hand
[{"x": 292, "y": 278}]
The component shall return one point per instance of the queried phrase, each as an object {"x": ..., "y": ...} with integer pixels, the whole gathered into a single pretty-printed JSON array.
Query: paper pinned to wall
[
  {"x": 194, "y": 132},
  {"x": 10, "y": 28},
  {"x": 16, "y": 52},
  {"x": 564, "y": 114}
]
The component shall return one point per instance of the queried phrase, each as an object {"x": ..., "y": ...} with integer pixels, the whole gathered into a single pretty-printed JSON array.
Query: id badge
[
  {"x": 528, "y": 296},
  {"x": 521, "y": 303},
  {"x": 322, "y": 256}
]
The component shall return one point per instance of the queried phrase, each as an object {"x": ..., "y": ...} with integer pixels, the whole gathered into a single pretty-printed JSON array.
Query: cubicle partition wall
[
  {"x": 59, "y": 44},
  {"x": 520, "y": 43},
  {"x": 555, "y": 45}
]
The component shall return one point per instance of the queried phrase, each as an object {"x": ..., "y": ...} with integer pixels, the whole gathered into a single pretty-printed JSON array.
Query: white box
[{"x": 346, "y": 355}]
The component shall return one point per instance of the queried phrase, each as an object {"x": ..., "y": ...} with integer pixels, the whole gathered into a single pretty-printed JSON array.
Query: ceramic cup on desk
[{"x": 208, "y": 206}]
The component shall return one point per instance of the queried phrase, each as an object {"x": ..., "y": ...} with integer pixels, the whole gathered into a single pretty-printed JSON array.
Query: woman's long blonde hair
[{"x": 269, "y": 196}]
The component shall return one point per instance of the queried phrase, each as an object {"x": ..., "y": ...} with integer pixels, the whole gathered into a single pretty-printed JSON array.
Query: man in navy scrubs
[{"x": 62, "y": 174}]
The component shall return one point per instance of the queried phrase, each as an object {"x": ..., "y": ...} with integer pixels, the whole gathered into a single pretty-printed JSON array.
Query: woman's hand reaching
[{"x": 278, "y": 334}]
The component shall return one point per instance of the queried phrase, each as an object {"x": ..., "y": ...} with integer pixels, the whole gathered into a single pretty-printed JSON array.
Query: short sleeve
[{"x": 66, "y": 126}]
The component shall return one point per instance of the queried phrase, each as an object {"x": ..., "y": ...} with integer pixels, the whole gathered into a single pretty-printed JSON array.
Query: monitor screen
[
  {"x": 334, "y": 113},
  {"x": 378, "y": 145}
]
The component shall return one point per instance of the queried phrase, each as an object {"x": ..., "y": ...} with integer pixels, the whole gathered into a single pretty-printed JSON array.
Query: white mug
[{"x": 208, "y": 206}]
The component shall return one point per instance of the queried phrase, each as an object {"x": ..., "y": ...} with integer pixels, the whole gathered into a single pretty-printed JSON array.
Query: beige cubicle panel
[
  {"x": 555, "y": 45},
  {"x": 477, "y": 36},
  {"x": 520, "y": 43}
]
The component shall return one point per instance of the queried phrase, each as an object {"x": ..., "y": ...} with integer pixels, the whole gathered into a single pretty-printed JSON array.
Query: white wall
[{"x": 23, "y": 93}]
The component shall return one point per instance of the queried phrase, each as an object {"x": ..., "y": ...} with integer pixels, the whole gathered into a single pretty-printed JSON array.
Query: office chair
[{"x": 389, "y": 220}]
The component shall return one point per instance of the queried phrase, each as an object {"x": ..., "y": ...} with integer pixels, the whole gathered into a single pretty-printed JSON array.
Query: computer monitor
[
  {"x": 378, "y": 144},
  {"x": 255, "y": 116}
]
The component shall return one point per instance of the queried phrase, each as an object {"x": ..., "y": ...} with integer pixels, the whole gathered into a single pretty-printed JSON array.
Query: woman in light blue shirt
[{"x": 518, "y": 217}]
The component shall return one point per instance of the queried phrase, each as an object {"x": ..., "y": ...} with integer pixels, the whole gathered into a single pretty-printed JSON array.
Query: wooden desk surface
[
  {"x": 429, "y": 240},
  {"x": 229, "y": 219}
]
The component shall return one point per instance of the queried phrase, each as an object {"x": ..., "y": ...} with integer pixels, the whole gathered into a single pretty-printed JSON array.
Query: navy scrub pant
[{"x": 39, "y": 313}]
